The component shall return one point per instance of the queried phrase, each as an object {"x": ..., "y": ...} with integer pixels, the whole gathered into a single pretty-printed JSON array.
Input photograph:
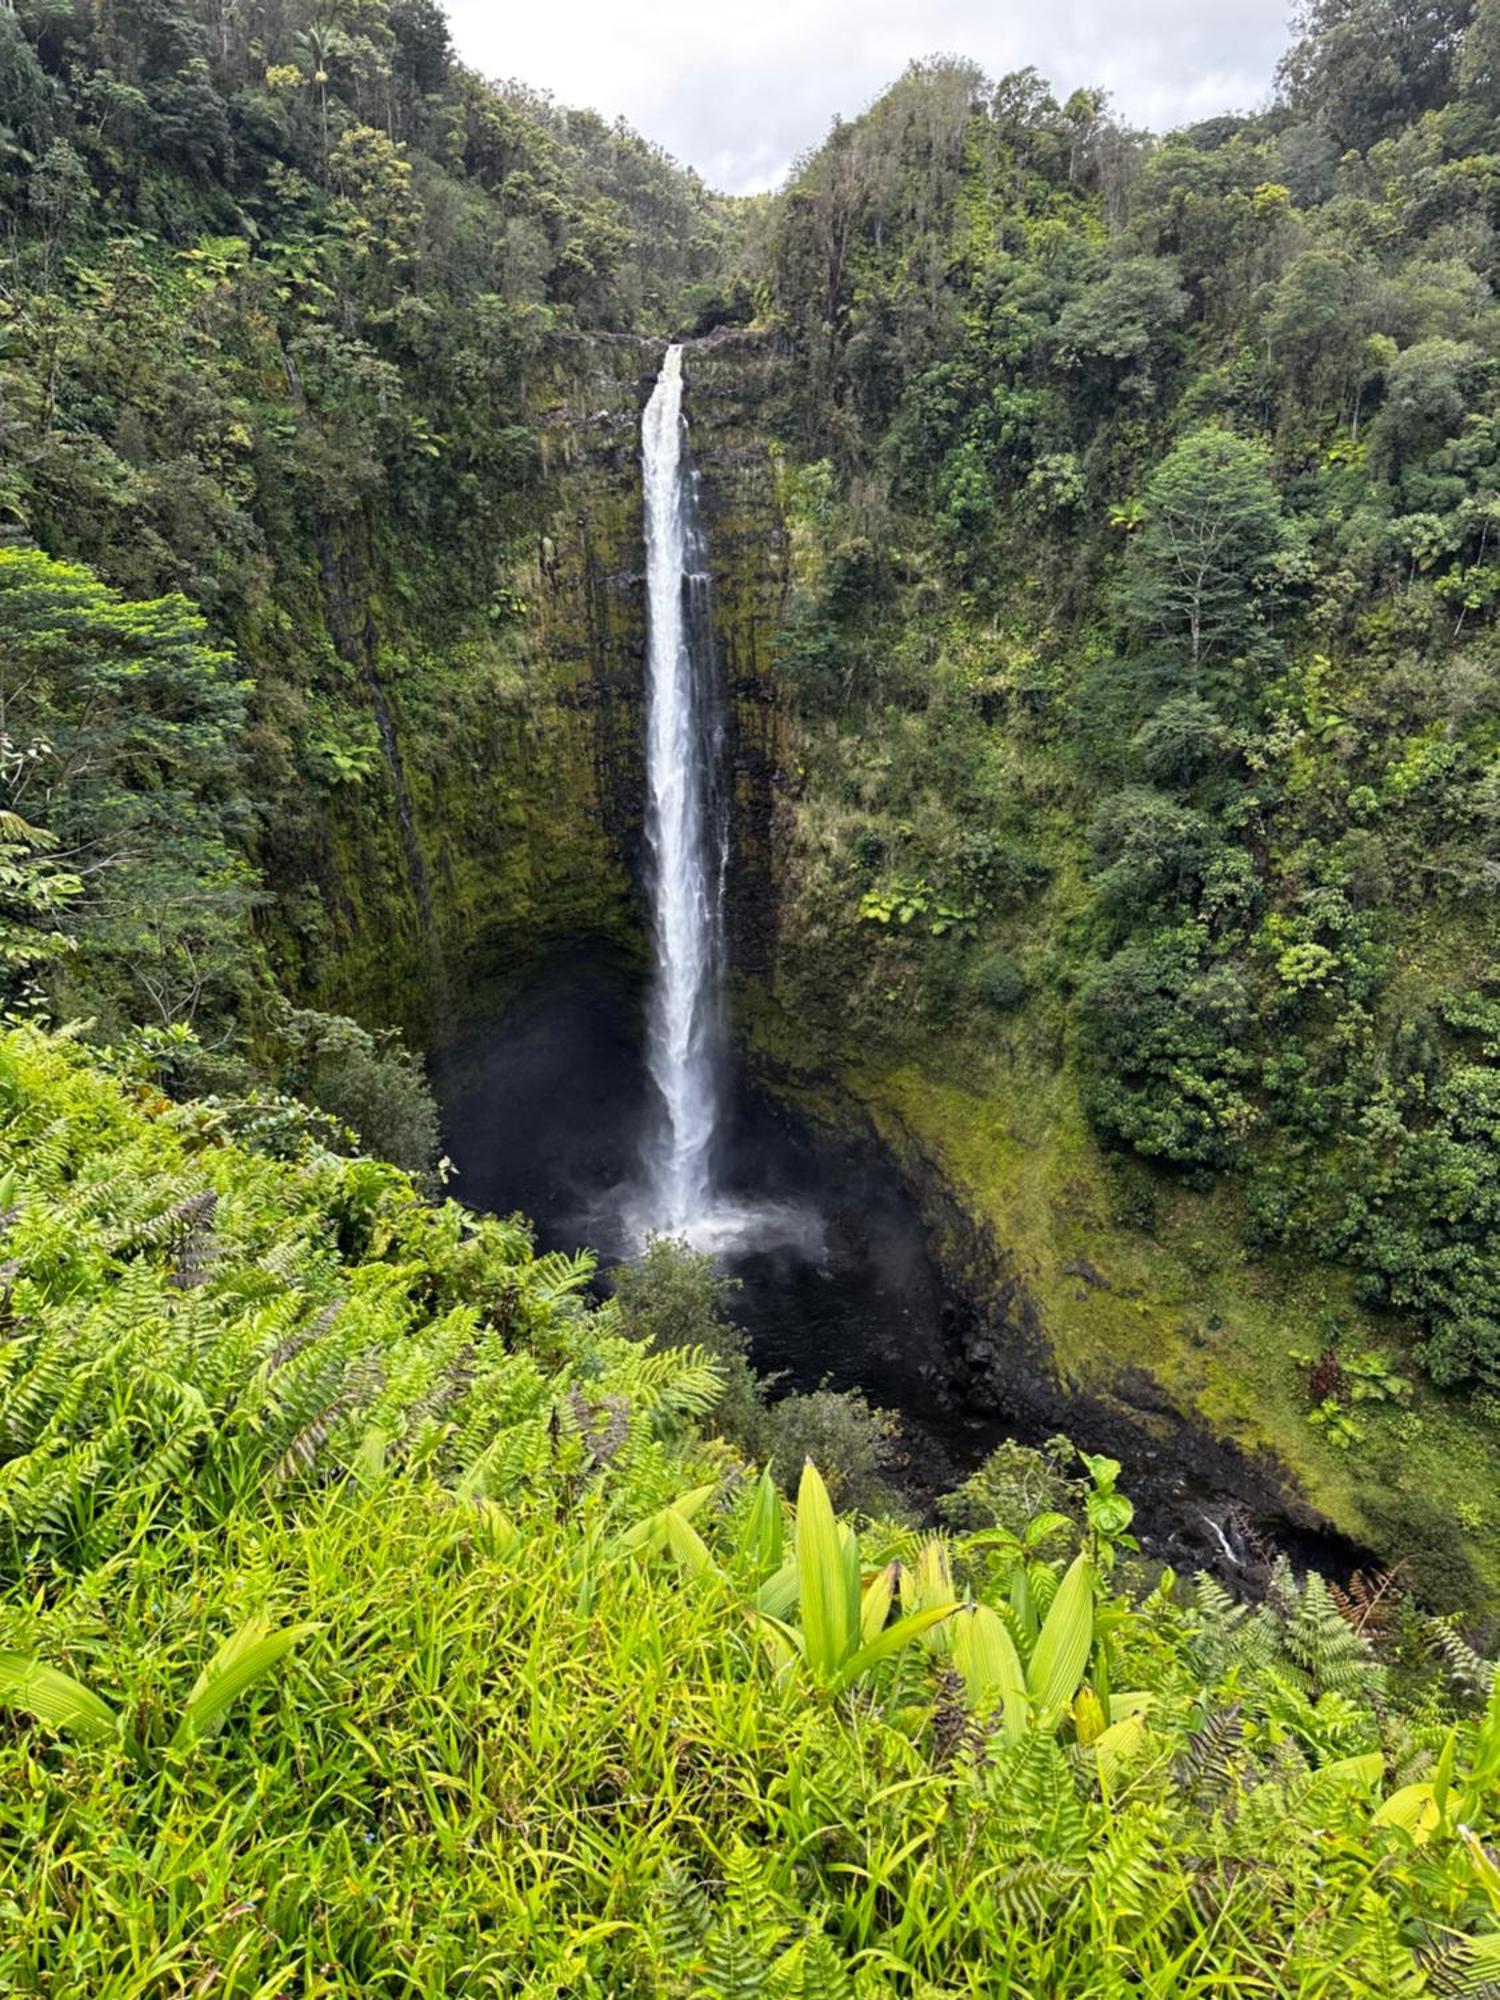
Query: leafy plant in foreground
[{"x": 61, "y": 1702}]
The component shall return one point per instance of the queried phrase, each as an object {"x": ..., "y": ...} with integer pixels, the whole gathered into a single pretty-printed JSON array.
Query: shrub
[
  {"x": 674, "y": 1297},
  {"x": 998, "y": 981},
  {"x": 851, "y": 1441},
  {"x": 370, "y": 1082}
]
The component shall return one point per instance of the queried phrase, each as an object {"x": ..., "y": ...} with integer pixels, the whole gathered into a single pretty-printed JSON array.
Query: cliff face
[
  {"x": 730, "y": 380},
  {"x": 509, "y": 817},
  {"x": 505, "y": 819}
]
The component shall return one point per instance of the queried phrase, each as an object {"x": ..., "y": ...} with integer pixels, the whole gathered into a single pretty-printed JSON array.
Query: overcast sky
[{"x": 737, "y": 88}]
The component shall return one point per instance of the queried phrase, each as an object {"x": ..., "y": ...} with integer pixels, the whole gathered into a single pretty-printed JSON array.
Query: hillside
[
  {"x": 1101, "y": 611},
  {"x": 380, "y": 1621}
]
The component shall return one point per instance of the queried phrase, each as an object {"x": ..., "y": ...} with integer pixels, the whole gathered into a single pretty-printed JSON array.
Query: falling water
[{"x": 686, "y": 826}]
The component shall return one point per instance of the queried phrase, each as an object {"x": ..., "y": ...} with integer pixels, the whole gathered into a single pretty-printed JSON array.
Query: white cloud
[{"x": 737, "y": 89}]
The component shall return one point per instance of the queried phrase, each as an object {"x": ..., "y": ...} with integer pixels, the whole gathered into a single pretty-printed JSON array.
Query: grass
[{"x": 554, "y": 1695}]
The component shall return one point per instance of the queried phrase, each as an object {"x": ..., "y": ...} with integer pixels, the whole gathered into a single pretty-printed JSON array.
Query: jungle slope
[
  {"x": 379, "y": 1621},
  {"x": 1140, "y": 875},
  {"x": 1157, "y": 917}
]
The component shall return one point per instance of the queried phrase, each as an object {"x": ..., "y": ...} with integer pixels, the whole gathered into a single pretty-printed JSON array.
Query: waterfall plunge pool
[{"x": 546, "y": 1098}]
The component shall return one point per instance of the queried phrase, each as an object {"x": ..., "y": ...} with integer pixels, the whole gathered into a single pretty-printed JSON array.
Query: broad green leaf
[
  {"x": 985, "y": 1655},
  {"x": 54, "y": 1698},
  {"x": 1442, "y": 1777},
  {"x": 1367, "y": 1769},
  {"x": 1485, "y": 1870},
  {"x": 828, "y": 1629},
  {"x": 782, "y": 1641},
  {"x": 928, "y": 1586},
  {"x": 370, "y": 1459},
  {"x": 244, "y": 1658},
  {"x": 1040, "y": 1526},
  {"x": 688, "y": 1545},
  {"x": 875, "y": 1605},
  {"x": 1088, "y": 1716},
  {"x": 688, "y": 1504},
  {"x": 502, "y": 1536},
  {"x": 777, "y": 1596},
  {"x": 764, "y": 1529},
  {"x": 1413, "y": 1808},
  {"x": 891, "y": 1640},
  {"x": 1118, "y": 1747},
  {"x": 654, "y": 1533},
  {"x": 1133, "y": 1702},
  {"x": 1061, "y": 1652},
  {"x": 1022, "y": 1604}
]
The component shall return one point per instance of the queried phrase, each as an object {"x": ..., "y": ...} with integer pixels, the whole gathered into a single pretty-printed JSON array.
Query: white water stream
[
  {"x": 687, "y": 840},
  {"x": 685, "y": 827}
]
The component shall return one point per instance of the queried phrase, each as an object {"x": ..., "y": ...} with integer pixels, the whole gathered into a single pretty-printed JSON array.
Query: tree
[
  {"x": 1165, "y": 1026},
  {"x": 1365, "y": 68},
  {"x": 1426, "y": 400},
  {"x": 1148, "y": 848},
  {"x": 1115, "y": 326},
  {"x": 1201, "y": 566},
  {"x": 120, "y": 729},
  {"x": 34, "y": 893}
]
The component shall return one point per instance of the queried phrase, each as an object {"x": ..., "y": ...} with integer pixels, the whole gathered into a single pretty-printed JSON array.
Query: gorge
[
  {"x": 637, "y": 825},
  {"x": 618, "y": 1091}
]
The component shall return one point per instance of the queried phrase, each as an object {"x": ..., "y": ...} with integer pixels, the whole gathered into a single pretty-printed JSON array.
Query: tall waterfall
[{"x": 686, "y": 827}]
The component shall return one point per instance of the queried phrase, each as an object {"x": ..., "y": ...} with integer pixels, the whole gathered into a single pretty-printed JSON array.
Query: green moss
[{"x": 1215, "y": 1326}]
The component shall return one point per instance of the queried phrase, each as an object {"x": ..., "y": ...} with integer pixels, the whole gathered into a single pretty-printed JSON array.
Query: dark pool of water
[
  {"x": 544, "y": 1096},
  {"x": 543, "y": 1114}
]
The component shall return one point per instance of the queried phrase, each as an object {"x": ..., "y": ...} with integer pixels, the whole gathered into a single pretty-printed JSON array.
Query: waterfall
[{"x": 686, "y": 826}]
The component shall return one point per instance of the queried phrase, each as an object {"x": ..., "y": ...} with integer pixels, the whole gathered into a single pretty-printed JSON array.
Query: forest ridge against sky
[{"x": 738, "y": 90}]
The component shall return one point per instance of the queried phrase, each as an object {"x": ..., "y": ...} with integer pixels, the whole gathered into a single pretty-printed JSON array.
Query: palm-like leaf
[
  {"x": 1061, "y": 1652},
  {"x": 881, "y": 1647},
  {"x": 985, "y": 1655},
  {"x": 55, "y": 1698},
  {"x": 827, "y": 1576},
  {"x": 247, "y": 1656}
]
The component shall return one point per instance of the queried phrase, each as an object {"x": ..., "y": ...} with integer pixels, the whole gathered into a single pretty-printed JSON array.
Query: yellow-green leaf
[
  {"x": 985, "y": 1655},
  {"x": 1061, "y": 1652},
  {"x": 247, "y": 1656},
  {"x": 54, "y": 1698}
]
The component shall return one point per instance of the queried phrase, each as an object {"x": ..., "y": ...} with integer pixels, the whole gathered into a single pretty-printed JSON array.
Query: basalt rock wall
[{"x": 507, "y": 820}]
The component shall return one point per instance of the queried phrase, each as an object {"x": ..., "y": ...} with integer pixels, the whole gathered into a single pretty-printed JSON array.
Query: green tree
[
  {"x": 1201, "y": 568},
  {"x": 1365, "y": 68},
  {"x": 120, "y": 725}
]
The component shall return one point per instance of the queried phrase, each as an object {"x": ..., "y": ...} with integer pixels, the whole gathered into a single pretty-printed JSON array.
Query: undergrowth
[{"x": 530, "y": 1687}]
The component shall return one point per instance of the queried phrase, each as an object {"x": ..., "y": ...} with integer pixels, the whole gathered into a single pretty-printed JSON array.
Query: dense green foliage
[
  {"x": 1146, "y": 594},
  {"x": 382, "y": 1614},
  {"x": 380, "y": 1621},
  {"x": 673, "y": 1297},
  {"x": 270, "y": 281}
]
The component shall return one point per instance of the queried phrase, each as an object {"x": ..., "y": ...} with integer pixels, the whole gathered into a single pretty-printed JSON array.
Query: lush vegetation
[
  {"x": 277, "y": 288},
  {"x": 384, "y": 1613},
  {"x": 380, "y": 1620},
  {"x": 1142, "y": 497}
]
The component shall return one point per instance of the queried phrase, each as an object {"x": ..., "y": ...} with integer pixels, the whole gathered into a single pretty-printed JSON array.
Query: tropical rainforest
[{"x": 1101, "y": 536}]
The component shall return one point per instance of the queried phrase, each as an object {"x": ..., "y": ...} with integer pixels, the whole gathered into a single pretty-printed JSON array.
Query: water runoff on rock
[{"x": 687, "y": 839}]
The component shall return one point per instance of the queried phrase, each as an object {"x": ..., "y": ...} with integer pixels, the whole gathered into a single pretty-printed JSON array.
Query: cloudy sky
[{"x": 737, "y": 88}]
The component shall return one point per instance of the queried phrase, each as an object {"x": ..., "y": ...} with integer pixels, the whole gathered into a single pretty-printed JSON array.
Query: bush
[
  {"x": 370, "y": 1082},
  {"x": 998, "y": 981},
  {"x": 847, "y": 1438},
  {"x": 676, "y": 1297},
  {"x": 1163, "y": 1025}
]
